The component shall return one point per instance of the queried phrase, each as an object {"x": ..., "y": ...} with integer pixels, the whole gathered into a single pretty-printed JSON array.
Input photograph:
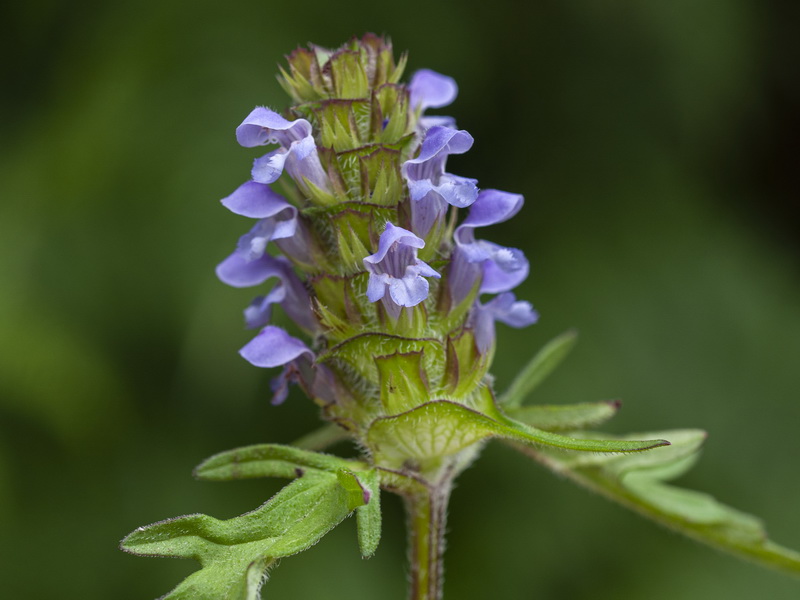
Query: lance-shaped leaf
[
  {"x": 236, "y": 553},
  {"x": 639, "y": 481},
  {"x": 269, "y": 460},
  {"x": 442, "y": 428},
  {"x": 539, "y": 367},
  {"x": 565, "y": 417}
]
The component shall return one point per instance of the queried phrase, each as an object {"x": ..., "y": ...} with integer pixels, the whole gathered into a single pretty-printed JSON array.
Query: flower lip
[
  {"x": 492, "y": 207},
  {"x": 504, "y": 308},
  {"x": 257, "y": 201},
  {"x": 390, "y": 236},
  {"x": 264, "y": 126},
  {"x": 238, "y": 271},
  {"x": 273, "y": 347},
  {"x": 438, "y": 140},
  {"x": 429, "y": 89},
  {"x": 504, "y": 270}
]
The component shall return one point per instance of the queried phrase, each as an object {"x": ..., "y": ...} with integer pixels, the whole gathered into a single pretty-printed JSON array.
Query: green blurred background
[{"x": 656, "y": 144}]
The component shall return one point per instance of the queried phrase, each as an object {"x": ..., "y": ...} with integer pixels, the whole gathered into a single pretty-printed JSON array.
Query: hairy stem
[{"x": 427, "y": 516}]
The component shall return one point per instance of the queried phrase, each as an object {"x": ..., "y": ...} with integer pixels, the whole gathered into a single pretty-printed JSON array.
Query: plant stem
[{"x": 427, "y": 515}]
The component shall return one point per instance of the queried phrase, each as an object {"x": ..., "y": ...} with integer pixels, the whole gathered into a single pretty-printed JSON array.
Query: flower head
[{"x": 364, "y": 152}]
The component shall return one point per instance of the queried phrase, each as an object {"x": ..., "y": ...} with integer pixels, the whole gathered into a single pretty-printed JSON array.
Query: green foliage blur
[{"x": 654, "y": 142}]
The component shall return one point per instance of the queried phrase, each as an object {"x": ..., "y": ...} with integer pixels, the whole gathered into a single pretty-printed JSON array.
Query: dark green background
[{"x": 656, "y": 144}]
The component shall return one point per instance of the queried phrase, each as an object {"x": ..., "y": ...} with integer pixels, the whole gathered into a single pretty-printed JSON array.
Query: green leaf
[
  {"x": 368, "y": 516},
  {"x": 355, "y": 492},
  {"x": 565, "y": 417},
  {"x": 638, "y": 482},
  {"x": 539, "y": 367},
  {"x": 441, "y": 428},
  {"x": 269, "y": 460},
  {"x": 236, "y": 553}
]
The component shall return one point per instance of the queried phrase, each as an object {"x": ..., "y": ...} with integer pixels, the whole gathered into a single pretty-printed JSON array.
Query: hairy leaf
[
  {"x": 639, "y": 482},
  {"x": 539, "y": 367},
  {"x": 236, "y": 553},
  {"x": 565, "y": 417}
]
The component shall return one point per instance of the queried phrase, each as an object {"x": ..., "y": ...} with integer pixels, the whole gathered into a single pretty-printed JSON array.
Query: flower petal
[
  {"x": 264, "y": 126},
  {"x": 390, "y": 236},
  {"x": 507, "y": 309},
  {"x": 429, "y": 89},
  {"x": 273, "y": 347},
  {"x": 492, "y": 207},
  {"x": 259, "y": 311},
  {"x": 257, "y": 201},
  {"x": 504, "y": 270},
  {"x": 408, "y": 291},
  {"x": 439, "y": 142},
  {"x": 504, "y": 308},
  {"x": 237, "y": 271},
  {"x": 269, "y": 167}
]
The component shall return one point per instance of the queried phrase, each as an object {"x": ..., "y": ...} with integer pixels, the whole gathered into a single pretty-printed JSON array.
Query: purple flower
[
  {"x": 273, "y": 347},
  {"x": 504, "y": 308},
  {"x": 278, "y": 218},
  {"x": 500, "y": 269},
  {"x": 249, "y": 265},
  {"x": 430, "y": 188},
  {"x": 429, "y": 89},
  {"x": 289, "y": 292},
  {"x": 396, "y": 275},
  {"x": 297, "y": 152}
]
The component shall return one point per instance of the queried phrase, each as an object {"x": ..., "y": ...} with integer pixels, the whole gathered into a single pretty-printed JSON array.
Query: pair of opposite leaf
[{"x": 236, "y": 554}]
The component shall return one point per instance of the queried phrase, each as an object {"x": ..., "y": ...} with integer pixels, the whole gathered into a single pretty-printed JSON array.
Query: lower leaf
[
  {"x": 236, "y": 553},
  {"x": 639, "y": 482}
]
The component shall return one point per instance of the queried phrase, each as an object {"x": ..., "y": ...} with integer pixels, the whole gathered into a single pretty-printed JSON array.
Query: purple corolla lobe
[
  {"x": 429, "y": 89},
  {"x": 504, "y": 308}
]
